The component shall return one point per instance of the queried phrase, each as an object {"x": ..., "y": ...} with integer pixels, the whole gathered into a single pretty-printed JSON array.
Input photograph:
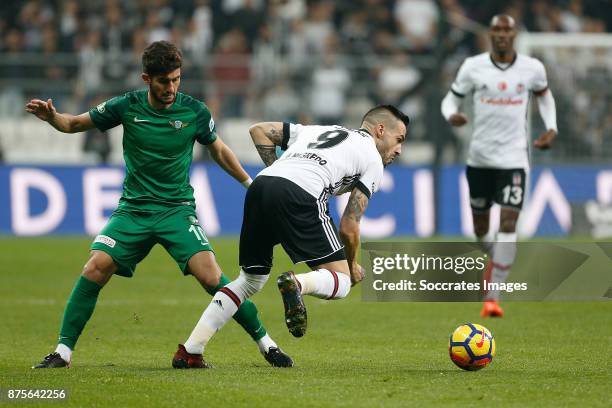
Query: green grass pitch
[{"x": 354, "y": 353}]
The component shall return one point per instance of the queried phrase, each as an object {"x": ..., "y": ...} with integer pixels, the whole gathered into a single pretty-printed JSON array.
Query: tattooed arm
[
  {"x": 349, "y": 231},
  {"x": 266, "y": 136}
]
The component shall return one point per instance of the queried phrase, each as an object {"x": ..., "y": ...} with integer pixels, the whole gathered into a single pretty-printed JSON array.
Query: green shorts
[{"x": 129, "y": 236}]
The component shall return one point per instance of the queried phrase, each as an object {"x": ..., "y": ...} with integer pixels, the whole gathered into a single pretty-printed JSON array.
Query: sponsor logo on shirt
[
  {"x": 101, "y": 107},
  {"x": 106, "y": 240},
  {"x": 502, "y": 86},
  {"x": 501, "y": 101},
  {"x": 309, "y": 156}
]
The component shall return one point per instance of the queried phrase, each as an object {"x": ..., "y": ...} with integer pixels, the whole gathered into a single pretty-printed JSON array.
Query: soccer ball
[{"x": 471, "y": 346}]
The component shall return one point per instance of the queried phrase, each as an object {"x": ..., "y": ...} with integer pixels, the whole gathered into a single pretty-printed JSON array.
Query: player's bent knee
[
  {"x": 203, "y": 266},
  {"x": 247, "y": 284},
  {"x": 99, "y": 267}
]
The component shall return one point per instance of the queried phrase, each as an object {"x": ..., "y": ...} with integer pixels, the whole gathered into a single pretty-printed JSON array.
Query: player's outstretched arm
[
  {"x": 227, "y": 160},
  {"x": 548, "y": 112},
  {"x": 349, "y": 231},
  {"x": 266, "y": 136},
  {"x": 61, "y": 121}
]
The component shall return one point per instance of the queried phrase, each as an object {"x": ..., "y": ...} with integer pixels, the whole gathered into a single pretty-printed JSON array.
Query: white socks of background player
[
  {"x": 324, "y": 284},
  {"x": 504, "y": 251},
  {"x": 486, "y": 244},
  {"x": 223, "y": 306}
]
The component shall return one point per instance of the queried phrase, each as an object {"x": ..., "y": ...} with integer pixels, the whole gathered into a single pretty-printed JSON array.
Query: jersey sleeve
[
  {"x": 369, "y": 182},
  {"x": 206, "y": 132},
  {"x": 540, "y": 82},
  {"x": 290, "y": 134},
  {"x": 463, "y": 83},
  {"x": 109, "y": 114}
]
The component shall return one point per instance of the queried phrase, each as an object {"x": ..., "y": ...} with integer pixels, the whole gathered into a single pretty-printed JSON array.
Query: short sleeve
[
  {"x": 540, "y": 82},
  {"x": 290, "y": 134},
  {"x": 206, "y": 129},
  {"x": 369, "y": 182},
  {"x": 109, "y": 114},
  {"x": 463, "y": 83}
]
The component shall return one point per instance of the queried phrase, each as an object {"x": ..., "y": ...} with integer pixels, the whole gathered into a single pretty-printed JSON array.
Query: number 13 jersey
[
  {"x": 501, "y": 97},
  {"x": 328, "y": 160}
]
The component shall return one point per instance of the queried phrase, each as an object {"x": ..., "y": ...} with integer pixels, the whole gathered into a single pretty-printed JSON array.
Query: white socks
[
  {"x": 265, "y": 343},
  {"x": 321, "y": 283},
  {"x": 325, "y": 284},
  {"x": 64, "y": 352},
  {"x": 247, "y": 284},
  {"x": 504, "y": 251},
  {"x": 223, "y": 306},
  {"x": 486, "y": 244}
]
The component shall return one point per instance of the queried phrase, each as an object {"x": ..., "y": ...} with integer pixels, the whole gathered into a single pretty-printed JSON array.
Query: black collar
[
  {"x": 364, "y": 130},
  {"x": 502, "y": 68}
]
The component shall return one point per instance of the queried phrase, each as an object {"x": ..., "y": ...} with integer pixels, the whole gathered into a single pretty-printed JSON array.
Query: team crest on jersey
[
  {"x": 502, "y": 86},
  {"x": 101, "y": 107},
  {"x": 211, "y": 124},
  {"x": 178, "y": 125},
  {"x": 520, "y": 88}
]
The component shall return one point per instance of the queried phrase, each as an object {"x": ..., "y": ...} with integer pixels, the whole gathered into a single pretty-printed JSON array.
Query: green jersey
[{"x": 157, "y": 146}]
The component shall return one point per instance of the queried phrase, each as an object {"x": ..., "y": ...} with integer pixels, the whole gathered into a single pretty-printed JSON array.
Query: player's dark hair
[
  {"x": 161, "y": 57},
  {"x": 375, "y": 111}
]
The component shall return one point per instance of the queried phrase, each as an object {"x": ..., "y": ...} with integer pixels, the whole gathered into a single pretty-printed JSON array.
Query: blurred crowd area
[{"x": 300, "y": 60}]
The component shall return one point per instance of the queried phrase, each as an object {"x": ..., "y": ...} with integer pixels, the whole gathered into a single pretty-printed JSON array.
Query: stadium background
[
  {"x": 301, "y": 61},
  {"x": 304, "y": 61}
]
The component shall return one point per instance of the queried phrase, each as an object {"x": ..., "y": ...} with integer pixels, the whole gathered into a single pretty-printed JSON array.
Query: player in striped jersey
[{"x": 287, "y": 204}]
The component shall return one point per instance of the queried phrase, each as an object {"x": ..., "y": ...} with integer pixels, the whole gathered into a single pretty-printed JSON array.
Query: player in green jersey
[{"x": 160, "y": 127}]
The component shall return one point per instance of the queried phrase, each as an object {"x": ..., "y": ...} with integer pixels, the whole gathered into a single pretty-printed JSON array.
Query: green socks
[
  {"x": 82, "y": 302},
  {"x": 246, "y": 316},
  {"x": 79, "y": 308}
]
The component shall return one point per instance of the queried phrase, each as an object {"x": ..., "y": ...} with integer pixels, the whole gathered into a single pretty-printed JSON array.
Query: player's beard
[{"x": 160, "y": 99}]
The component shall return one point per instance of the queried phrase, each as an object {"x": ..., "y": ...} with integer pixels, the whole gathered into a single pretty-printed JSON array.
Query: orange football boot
[{"x": 490, "y": 308}]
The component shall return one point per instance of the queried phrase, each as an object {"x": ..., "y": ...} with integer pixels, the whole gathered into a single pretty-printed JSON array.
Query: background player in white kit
[
  {"x": 287, "y": 204},
  {"x": 501, "y": 82}
]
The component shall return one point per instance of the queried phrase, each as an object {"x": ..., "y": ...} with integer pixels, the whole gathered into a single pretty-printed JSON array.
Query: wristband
[{"x": 246, "y": 183}]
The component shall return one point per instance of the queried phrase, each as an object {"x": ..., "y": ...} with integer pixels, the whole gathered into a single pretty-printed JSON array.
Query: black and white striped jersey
[{"x": 328, "y": 160}]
